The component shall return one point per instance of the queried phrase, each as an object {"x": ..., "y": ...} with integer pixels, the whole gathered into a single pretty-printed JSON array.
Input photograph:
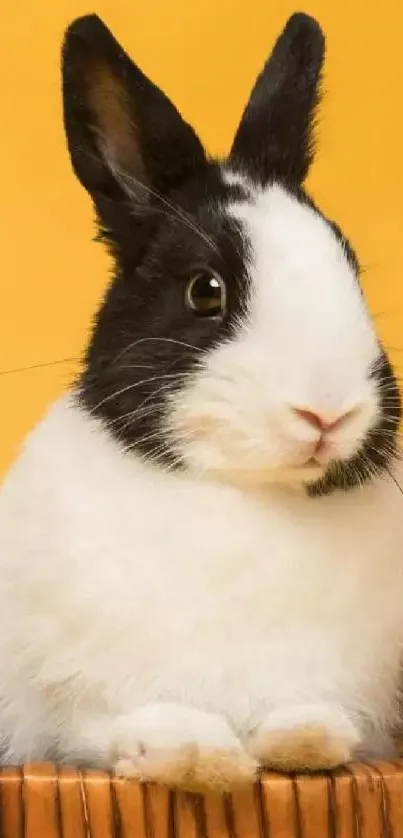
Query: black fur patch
[{"x": 145, "y": 340}]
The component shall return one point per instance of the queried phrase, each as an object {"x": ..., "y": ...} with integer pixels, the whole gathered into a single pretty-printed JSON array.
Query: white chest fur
[{"x": 121, "y": 585}]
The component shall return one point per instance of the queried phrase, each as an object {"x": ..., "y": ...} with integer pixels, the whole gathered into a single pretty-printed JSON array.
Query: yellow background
[{"x": 205, "y": 54}]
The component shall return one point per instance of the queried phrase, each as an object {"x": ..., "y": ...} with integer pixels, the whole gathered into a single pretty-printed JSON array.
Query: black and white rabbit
[{"x": 201, "y": 546}]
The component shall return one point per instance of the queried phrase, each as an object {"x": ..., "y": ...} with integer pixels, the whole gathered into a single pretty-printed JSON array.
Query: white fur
[
  {"x": 121, "y": 586},
  {"x": 134, "y": 603}
]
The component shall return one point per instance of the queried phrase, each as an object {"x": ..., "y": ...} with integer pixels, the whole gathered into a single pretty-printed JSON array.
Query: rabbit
[{"x": 201, "y": 543}]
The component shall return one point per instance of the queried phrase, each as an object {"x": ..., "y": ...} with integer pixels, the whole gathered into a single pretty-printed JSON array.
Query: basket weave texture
[{"x": 40, "y": 801}]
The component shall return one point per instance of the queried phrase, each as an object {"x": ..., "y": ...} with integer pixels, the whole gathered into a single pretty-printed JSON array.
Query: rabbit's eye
[{"x": 206, "y": 295}]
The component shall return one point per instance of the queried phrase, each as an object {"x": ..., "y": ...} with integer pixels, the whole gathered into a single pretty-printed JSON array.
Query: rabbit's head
[{"x": 234, "y": 340}]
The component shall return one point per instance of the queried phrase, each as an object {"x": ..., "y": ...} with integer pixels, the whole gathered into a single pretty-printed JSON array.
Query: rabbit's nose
[{"x": 321, "y": 422}]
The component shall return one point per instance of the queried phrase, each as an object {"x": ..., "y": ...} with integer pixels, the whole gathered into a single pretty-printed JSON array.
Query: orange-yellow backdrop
[{"x": 205, "y": 54}]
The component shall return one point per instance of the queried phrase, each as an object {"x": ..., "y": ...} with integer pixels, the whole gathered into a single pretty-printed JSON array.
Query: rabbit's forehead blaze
[{"x": 289, "y": 233}]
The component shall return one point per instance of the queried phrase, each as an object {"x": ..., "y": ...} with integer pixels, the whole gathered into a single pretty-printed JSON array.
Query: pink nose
[{"x": 322, "y": 423}]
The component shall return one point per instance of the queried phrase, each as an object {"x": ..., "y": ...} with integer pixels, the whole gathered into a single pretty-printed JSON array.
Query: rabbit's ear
[
  {"x": 124, "y": 135},
  {"x": 274, "y": 139}
]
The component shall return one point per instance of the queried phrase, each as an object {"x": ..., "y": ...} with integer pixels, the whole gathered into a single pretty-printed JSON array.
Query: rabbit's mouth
[
  {"x": 330, "y": 469},
  {"x": 313, "y": 462}
]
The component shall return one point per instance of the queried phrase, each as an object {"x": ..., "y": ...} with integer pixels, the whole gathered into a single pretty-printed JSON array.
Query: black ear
[
  {"x": 124, "y": 135},
  {"x": 274, "y": 139}
]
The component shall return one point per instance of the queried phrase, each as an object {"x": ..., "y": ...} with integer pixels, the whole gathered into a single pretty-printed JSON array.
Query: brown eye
[{"x": 206, "y": 295}]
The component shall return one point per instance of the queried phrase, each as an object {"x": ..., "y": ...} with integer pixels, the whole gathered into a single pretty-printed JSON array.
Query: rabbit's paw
[
  {"x": 304, "y": 738},
  {"x": 182, "y": 747}
]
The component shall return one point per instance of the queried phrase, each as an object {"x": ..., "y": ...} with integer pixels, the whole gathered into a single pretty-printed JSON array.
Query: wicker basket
[{"x": 361, "y": 802}]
